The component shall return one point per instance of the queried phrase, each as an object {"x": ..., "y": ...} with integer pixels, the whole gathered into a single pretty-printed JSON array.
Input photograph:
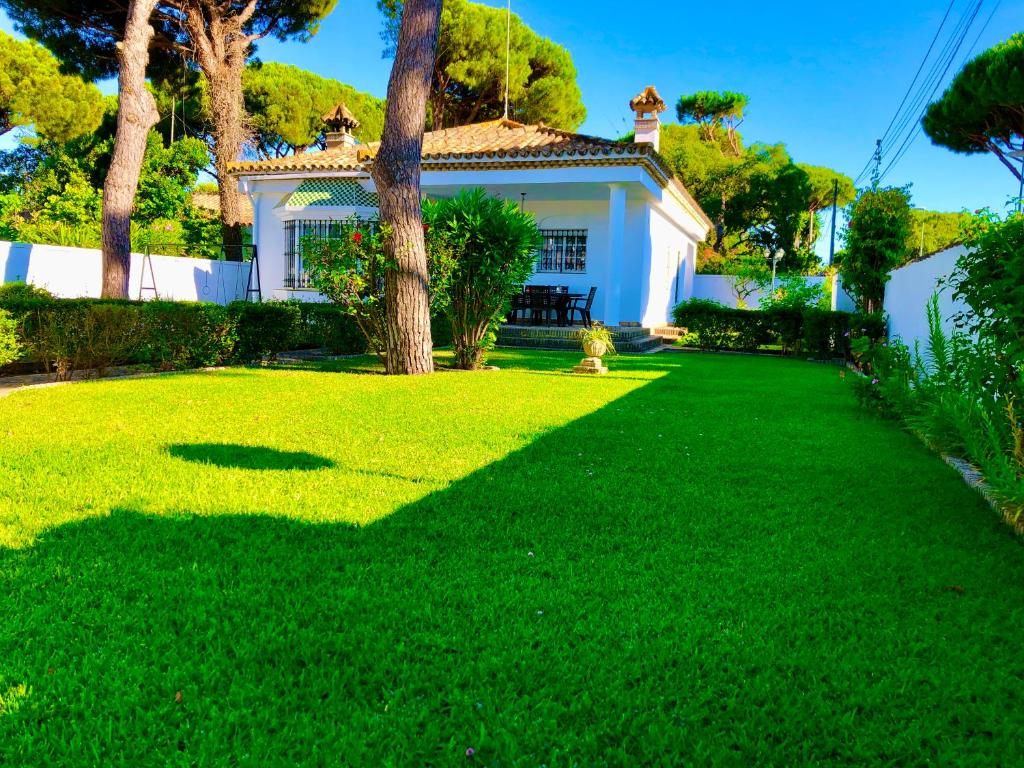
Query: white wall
[
  {"x": 672, "y": 254},
  {"x": 78, "y": 272},
  {"x": 909, "y": 290}
]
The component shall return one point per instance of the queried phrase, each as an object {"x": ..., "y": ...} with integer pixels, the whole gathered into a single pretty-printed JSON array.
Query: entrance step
[{"x": 626, "y": 339}]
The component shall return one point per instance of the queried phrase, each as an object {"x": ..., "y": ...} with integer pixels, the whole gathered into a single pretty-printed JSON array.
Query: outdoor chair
[
  {"x": 520, "y": 307},
  {"x": 542, "y": 305},
  {"x": 582, "y": 308}
]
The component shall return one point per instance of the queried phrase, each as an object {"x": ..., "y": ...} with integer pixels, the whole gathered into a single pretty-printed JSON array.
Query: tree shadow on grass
[
  {"x": 248, "y": 456},
  {"x": 644, "y": 586}
]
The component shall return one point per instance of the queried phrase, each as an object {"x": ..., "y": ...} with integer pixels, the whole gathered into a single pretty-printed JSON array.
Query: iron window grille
[
  {"x": 297, "y": 231},
  {"x": 563, "y": 251}
]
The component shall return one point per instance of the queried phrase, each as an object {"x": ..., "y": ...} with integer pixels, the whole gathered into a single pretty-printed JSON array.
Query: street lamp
[
  {"x": 776, "y": 258},
  {"x": 1020, "y": 193}
]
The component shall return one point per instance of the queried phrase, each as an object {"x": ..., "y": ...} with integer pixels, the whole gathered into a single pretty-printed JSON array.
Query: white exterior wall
[
  {"x": 629, "y": 289},
  {"x": 672, "y": 264},
  {"x": 909, "y": 290},
  {"x": 78, "y": 273}
]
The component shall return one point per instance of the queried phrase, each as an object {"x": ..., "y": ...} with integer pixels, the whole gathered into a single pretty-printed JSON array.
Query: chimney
[
  {"x": 647, "y": 105},
  {"x": 340, "y": 124}
]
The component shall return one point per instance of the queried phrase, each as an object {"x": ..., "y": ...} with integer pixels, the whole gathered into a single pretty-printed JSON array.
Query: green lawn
[{"x": 699, "y": 559}]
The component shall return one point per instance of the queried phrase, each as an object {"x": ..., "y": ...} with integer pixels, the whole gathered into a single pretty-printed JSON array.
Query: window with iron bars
[
  {"x": 298, "y": 230},
  {"x": 563, "y": 251}
]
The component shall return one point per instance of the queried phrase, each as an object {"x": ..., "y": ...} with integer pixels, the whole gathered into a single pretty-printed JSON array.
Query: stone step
[
  {"x": 628, "y": 339},
  {"x": 669, "y": 332}
]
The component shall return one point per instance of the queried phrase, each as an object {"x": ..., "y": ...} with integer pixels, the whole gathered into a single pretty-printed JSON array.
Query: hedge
[
  {"x": 817, "y": 332},
  {"x": 63, "y": 335}
]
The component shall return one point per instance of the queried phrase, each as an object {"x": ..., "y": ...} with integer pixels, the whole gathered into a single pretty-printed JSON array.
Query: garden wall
[
  {"x": 719, "y": 288},
  {"x": 911, "y": 287},
  {"x": 77, "y": 273}
]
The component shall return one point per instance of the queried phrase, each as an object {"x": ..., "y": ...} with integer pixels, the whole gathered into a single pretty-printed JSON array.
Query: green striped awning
[{"x": 332, "y": 193}]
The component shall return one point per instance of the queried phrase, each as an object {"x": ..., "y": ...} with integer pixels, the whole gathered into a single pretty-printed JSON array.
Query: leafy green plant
[
  {"x": 264, "y": 329},
  {"x": 348, "y": 268},
  {"x": 989, "y": 277},
  {"x": 876, "y": 238},
  {"x": 597, "y": 333},
  {"x": 21, "y": 291},
  {"x": 10, "y": 349},
  {"x": 181, "y": 335},
  {"x": 488, "y": 247}
]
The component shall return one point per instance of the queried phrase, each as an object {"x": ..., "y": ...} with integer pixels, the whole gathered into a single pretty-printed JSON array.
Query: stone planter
[{"x": 595, "y": 350}]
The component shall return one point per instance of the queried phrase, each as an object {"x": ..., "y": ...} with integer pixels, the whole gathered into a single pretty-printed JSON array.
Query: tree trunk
[
  {"x": 220, "y": 47},
  {"x": 396, "y": 171},
  {"x": 136, "y": 115}
]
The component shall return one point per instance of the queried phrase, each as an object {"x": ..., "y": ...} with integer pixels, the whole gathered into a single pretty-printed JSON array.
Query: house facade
[{"x": 611, "y": 213}]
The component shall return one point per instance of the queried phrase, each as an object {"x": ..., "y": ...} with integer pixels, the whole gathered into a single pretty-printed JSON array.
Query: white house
[{"x": 612, "y": 214}]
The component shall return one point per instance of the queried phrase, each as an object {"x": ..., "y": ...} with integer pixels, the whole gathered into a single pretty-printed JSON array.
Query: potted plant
[{"x": 597, "y": 340}]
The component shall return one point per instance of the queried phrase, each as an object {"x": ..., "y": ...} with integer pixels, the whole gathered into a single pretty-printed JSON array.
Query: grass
[{"x": 699, "y": 559}]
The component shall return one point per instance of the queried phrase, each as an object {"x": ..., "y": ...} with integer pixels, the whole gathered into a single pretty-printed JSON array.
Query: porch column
[{"x": 616, "y": 253}]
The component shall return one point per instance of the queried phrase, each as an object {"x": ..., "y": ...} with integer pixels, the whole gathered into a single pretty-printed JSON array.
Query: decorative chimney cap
[
  {"x": 340, "y": 119},
  {"x": 647, "y": 102}
]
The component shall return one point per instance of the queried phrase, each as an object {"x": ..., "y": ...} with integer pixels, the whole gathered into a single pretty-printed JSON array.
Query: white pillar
[{"x": 616, "y": 253}]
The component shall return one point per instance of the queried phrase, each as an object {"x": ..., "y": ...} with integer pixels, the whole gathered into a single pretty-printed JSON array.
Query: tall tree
[
  {"x": 219, "y": 36},
  {"x": 34, "y": 92},
  {"x": 396, "y": 171},
  {"x": 136, "y": 114},
  {"x": 983, "y": 108},
  {"x": 98, "y": 39},
  {"x": 286, "y": 106},
  {"x": 933, "y": 231},
  {"x": 468, "y": 78},
  {"x": 876, "y": 243},
  {"x": 714, "y": 112},
  {"x": 826, "y": 186}
]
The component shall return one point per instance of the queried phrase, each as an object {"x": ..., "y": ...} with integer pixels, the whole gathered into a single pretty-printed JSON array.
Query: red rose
[
  {"x": 357, "y": 237},
  {"x": 426, "y": 228}
]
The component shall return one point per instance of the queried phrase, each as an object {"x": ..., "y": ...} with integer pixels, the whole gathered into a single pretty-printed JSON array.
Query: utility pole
[
  {"x": 835, "y": 206},
  {"x": 876, "y": 174},
  {"x": 173, "y": 100}
]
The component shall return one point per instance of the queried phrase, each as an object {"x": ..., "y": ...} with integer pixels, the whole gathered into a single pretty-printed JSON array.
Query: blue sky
[{"x": 824, "y": 78}]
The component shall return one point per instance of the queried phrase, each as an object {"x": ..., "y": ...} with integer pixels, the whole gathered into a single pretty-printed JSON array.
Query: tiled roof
[
  {"x": 340, "y": 193},
  {"x": 489, "y": 144}
]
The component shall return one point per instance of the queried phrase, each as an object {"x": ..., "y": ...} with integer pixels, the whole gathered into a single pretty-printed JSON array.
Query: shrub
[
  {"x": 264, "y": 329},
  {"x": 989, "y": 277},
  {"x": 75, "y": 335},
  {"x": 711, "y": 322},
  {"x": 10, "y": 349},
  {"x": 187, "y": 335},
  {"x": 818, "y": 332},
  {"x": 349, "y": 268},
  {"x": 796, "y": 292},
  {"x": 956, "y": 398},
  {"x": 490, "y": 246},
  {"x": 331, "y": 327},
  {"x": 22, "y": 291}
]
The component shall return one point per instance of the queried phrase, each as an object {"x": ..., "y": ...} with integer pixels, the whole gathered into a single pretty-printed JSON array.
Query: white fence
[
  {"x": 720, "y": 288},
  {"x": 78, "y": 272}
]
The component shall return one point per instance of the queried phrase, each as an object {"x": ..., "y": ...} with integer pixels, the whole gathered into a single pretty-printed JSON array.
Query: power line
[
  {"x": 916, "y": 126},
  {"x": 905, "y": 124}
]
